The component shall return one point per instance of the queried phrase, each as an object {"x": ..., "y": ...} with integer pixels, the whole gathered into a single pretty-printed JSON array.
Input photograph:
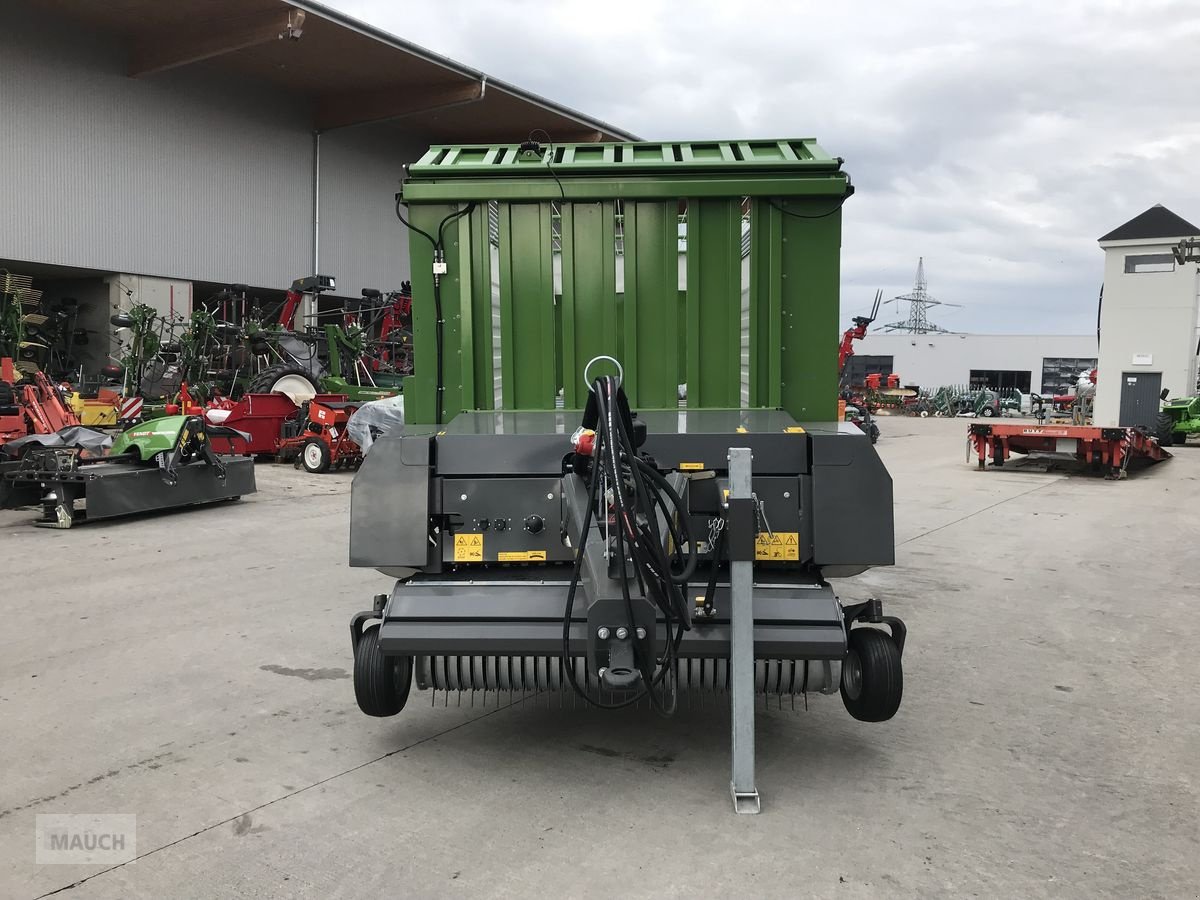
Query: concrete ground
[{"x": 193, "y": 669}]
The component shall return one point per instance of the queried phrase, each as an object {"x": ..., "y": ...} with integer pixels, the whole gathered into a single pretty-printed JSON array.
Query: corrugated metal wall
[
  {"x": 363, "y": 244},
  {"x": 185, "y": 174}
]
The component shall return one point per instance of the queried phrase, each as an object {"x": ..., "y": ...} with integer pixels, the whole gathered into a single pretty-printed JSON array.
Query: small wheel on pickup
[
  {"x": 315, "y": 456},
  {"x": 872, "y": 676},
  {"x": 381, "y": 683}
]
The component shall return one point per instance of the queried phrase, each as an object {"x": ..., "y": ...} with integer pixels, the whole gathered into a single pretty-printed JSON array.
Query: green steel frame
[{"x": 606, "y": 216}]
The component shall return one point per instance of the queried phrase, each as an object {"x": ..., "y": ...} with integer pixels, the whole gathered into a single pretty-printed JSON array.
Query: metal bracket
[{"x": 741, "y": 638}]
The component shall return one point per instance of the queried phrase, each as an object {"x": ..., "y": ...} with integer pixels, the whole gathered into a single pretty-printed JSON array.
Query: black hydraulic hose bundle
[
  {"x": 635, "y": 491},
  {"x": 438, "y": 256}
]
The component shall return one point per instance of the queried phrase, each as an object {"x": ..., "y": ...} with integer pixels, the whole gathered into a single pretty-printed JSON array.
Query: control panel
[{"x": 503, "y": 520}]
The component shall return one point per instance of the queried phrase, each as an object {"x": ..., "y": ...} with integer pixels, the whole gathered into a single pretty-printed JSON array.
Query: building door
[{"x": 1139, "y": 399}]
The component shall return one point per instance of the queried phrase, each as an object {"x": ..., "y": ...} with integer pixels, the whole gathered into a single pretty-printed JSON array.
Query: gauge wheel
[{"x": 315, "y": 456}]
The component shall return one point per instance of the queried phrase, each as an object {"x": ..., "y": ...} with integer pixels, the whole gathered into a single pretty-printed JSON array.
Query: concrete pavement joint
[
  {"x": 261, "y": 806},
  {"x": 978, "y": 511}
]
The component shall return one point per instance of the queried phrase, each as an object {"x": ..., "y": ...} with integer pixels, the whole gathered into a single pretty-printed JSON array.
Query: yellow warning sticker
[
  {"x": 691, "y": 467},
  {"x": 522, "y": 556},
  {"x": 793, "y": 429},
  {"x": 468, "y": 547},
  {"x": 780, "y": 546}
]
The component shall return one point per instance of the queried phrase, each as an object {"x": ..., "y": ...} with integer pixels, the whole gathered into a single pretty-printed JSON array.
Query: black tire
[
  {"x": 873, "y": 695},
  {"x": 988, "y": 412},
  {"x": 7, "y": 397},
  {"x": 381, "y": 683},
  {"x": 320, "y": 463},
  {"x": 1165, "y": 432},
  {"x": 264, "y": 382}
]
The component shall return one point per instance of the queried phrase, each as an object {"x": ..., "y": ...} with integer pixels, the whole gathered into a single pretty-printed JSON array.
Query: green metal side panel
[
  {"x": 809, "y": 273},
  {"x": 589, "y": 293},
  {"x": 476, "y": 298},
  {"x": 526, "y": 306},
  {"x": 714, "y": 302},
  {"x": 653, "y": 336},
  {"x": 540, "y": 185},
  {"x": 661, "y": 334},
  {"x": 420, "y": 391},
  {"x": 766, "y": 287},
  {"x": 620, "y": 160}
]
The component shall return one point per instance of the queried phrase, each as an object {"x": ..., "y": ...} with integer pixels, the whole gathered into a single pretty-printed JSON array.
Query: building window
[
  {"x": 1000, "y": 379},
  {"x": 1149, "y": 262},
  {"x": 1060, "y": 373},
  {"x": 859, "y": 367}
]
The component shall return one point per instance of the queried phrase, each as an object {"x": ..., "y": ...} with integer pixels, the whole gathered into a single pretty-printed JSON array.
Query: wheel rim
[
  {"x": 852, "y": 675},
  {"x": 312, "y": 455},
  {"x": 297, "y": 387}
]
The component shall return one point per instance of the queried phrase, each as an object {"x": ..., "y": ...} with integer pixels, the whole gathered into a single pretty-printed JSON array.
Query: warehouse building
[
  {"x": 157, "y": 152},
  {"x": 1030, "y": 363}
]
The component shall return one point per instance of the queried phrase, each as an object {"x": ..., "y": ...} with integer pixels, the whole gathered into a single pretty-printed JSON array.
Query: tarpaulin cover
[
  {"x": 94, "y": 442},
  {"x": 375, "y": 418}
]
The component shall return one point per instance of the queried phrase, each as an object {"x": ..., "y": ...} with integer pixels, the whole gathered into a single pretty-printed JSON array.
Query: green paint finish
[
  {"x": 420, "y": 389},
  {"x": 765, "y": 298},
  {"x": 661, "y": 334},
  {"x": 477, "y": 348},
  {"x": 651, "y": 307},
  {"x": 527, "y": 306},
  {"x": 149, "y": 438},
  {"x": 809, "y": 272},
  {"x": 714, "y": 302},
  {"x": 540, "y": 185},
  {"x": 736, "y": 158},
  {"x": 589, "y": 293}
]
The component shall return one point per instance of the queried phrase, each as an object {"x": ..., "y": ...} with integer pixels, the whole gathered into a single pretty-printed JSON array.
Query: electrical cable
[
  {"x": 633, "y": 504},
  {"x": 439, "y": 337},
  {"x": 788, "y": 212}
]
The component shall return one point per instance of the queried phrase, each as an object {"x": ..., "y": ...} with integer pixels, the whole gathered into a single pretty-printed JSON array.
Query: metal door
[{"x": 1139, "y": 398}]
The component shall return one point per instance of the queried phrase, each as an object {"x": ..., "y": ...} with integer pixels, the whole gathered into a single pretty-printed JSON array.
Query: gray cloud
[{"x": 996, "y": 139}]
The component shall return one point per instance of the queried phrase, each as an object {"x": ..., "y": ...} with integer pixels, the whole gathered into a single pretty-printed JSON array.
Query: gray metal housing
[{"x": 487, "y": 515}]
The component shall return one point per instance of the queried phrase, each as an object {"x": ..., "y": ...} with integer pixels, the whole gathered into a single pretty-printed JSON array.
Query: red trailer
[{"x": 1104, "y": 449}]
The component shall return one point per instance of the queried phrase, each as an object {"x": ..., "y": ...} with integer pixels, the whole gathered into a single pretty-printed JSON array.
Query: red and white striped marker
[{"x": 130, "y": 408}]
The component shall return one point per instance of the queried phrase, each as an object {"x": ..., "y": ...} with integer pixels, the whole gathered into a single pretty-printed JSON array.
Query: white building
[
  {"x": 1149, "y": 324},
  {"x": 1031, "y": 363}
]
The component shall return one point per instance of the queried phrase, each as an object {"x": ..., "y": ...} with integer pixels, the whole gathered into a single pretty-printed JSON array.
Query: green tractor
[{"x": 1180, "y": 416}]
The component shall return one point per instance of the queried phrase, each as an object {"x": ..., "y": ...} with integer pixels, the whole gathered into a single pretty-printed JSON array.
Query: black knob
[
  {"x": 534, "y": 524},
  {"x": 481, "y": 524},
  {"x": 500, "y": 524}
]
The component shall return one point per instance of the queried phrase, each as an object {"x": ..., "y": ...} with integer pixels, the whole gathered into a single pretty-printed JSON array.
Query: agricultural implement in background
[
  {"x": 624, "y": 548},
  {"x": 1109, "y": 451},
  {"x": 1181, "y": 418},
  {"x": 164, "y": 463},
  {"x": 313, "y": 432}
]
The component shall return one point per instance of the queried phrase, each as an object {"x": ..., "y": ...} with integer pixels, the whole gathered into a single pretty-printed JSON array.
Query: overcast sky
[{"x": 996, "y": 139}]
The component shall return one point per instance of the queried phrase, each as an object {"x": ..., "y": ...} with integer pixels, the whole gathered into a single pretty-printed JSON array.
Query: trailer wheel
[
  {"x": 872, "y": 676},
  {"x": 381, "y": 683},
  {"x": 315, "y": 456}
]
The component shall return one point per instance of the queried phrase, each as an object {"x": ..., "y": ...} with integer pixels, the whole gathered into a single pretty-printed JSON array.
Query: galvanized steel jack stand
[{"x": 741, "y": 517}]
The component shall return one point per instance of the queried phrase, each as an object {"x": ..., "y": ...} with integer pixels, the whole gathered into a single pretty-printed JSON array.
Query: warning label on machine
[
  {"x": 468, "y": 547},
  {"x": 522, "y": 556},
  {"x": 782, "y": 545}
]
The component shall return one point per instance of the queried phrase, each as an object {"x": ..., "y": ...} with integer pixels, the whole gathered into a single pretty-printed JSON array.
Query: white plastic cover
[{"x": 375, "y": 418}]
